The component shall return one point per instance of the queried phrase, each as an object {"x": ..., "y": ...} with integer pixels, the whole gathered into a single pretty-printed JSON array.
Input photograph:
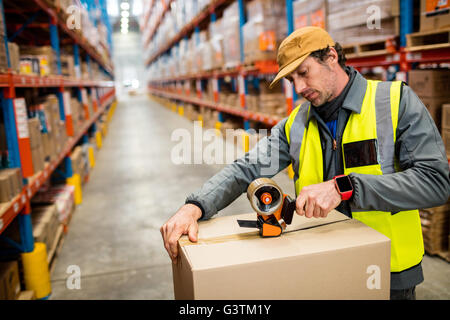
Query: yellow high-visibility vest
[{"x": 377, "y": 120}]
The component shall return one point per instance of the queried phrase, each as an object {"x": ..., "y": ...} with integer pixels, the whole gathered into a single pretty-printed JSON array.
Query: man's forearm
[
  {"x": 270, "y": 156},
  {"x": 412, "y": 189}
]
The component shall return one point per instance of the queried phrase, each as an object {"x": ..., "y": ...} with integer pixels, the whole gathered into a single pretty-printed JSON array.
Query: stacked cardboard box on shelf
[
  {"x": 54, "y": 131},
  {"x": 210, "y": 117},
  {"x": 445, "y": 131},
  {"x": 37, "y": 147},
  {"x": 230, "y": 99},
  {"x": 213, "y": 53},
  {"x": 434, "y": 15},
  {"x": 433, "y": 88},
  {"x": 230, "y": 32},
  {"x": 90, "y": 103},
  {"x": 63, "y": 4},
  {"x": 80, "y": 164},
  {"x": 230, "y": 124},
  {"x": 271, "y": 101},
  {"x": 252, "y": 102},
  {"x": 191, "y": 112},
  {"x": 9, "y": 280},
  {"x": 10, "y": 184},
  {"x": 67, "y": 65},
  {"x": 198, "y": 61},
  {"x": 265, "y": 29},
  {"x": 3, "y": 59},
  {"x": 45, "y": 221},
  {"x": 272, "y": 104},
  {"x": 45, "y": 56},
  {"x": 77, "y": 114},
  {"x": 85, "y": 71},
  {"x": 14, "y": 57},
  {"x": 435, "y": 228},
  {"x": 62, "y": 196},
  {"x": 310, "y": 13},
  {"x": 351, "y": 22}
]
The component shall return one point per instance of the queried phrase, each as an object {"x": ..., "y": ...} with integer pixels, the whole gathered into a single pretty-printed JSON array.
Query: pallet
[
  {"x": 445, "y": 255},
  {"x": 264, "y": 66},
  {"x": 428, "y": 40},
  {"x": 366, "y": 49}
]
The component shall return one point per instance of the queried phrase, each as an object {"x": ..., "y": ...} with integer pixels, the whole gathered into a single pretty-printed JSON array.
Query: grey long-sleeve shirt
[{"x": 423, "y": 182}]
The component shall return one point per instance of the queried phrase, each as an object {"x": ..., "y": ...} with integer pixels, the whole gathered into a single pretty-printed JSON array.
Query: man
[{"x": 376, "y": 136}]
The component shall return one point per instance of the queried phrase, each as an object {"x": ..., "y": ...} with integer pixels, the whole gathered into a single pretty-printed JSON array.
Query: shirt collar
[{"x": 355, "y": 96}]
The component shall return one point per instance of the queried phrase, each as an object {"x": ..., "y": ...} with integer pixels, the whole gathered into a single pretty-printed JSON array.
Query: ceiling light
[
  {"x": 125, "y": 6},
  {"x": 125, "y": 14},
  {"x": 124, "y": 20}
]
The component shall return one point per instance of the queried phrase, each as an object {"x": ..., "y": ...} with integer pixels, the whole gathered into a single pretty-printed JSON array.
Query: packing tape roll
[{"x": 36, "y": 273}]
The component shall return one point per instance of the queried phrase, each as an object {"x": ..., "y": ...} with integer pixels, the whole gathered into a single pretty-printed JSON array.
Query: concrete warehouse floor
[{"x": 114, "y": 234}]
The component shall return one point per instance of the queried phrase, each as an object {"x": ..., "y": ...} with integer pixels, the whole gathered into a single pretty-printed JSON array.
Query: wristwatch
[{"x": 344, "y": 186}]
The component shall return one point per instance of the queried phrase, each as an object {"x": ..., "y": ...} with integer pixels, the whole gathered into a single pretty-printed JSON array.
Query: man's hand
[
  {"x": 318, "y": 200},
  {"x": 184, "y": 221}
]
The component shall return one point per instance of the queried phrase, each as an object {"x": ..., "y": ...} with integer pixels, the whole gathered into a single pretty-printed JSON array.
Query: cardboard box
[
  {"x": 3, "y": 58},
  {"x": 77, "y": 160},
  {"x": 67, "y": 65},
  {"x": 46, "y": 58},
  {"x": 37, "y": 157},
  {"x": 26, "y": 295},
  {"x": 434, "y": 15},
  {"x": 15, "y": 176},
  {"x": 310, "y": 13},
  {"x": 10, "y": 184},
  {"x": 445, "y": 123},
  {"x": 340, "y": 258},
  {"x": 431, "y": 83},
  {"x": 60, "y": 195},
  {"x": 14, "y": 57},
  {"x": 435, "y": 226},
  {"x": 34, "y": 127},
  {"x": 5, "y": 188},
  {"x": 45, "y": 220},
  {"x": 344, "y": 14},
  {"x": 9, "y": 280},
  {"x": 446, "y": 139},
  {"x": 434, "y": 107}
]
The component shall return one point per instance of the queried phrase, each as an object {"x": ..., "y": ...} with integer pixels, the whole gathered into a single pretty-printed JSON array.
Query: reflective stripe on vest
[{"x": 378, "y": 120}]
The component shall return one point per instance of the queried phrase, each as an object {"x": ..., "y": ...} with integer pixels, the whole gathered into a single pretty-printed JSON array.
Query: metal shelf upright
[
  {"x": 402, "y": 58},
  {"x": 15, "y": 116}
]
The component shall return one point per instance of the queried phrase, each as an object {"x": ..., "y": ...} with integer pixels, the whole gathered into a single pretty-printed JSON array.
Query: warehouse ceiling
[{"x": 130, "y": 10}]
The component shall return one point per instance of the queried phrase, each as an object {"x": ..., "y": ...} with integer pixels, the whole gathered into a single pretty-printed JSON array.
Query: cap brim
[{"x": 288, "y": 69}]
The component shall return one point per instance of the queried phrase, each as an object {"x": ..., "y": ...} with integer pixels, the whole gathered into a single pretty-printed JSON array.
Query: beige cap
[{"x": 297, "y": 47}]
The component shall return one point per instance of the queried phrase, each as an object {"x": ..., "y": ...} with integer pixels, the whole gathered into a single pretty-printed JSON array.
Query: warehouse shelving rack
[
  {"x": 403, "y": 58},
  {"x": 102, "y": 92}
]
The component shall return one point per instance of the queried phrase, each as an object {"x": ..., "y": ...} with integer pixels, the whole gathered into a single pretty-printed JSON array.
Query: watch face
[{"x": 344, "y": 184}]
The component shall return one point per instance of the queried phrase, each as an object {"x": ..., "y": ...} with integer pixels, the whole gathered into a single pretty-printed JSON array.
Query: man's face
[{"x": 316, "y": 82}]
